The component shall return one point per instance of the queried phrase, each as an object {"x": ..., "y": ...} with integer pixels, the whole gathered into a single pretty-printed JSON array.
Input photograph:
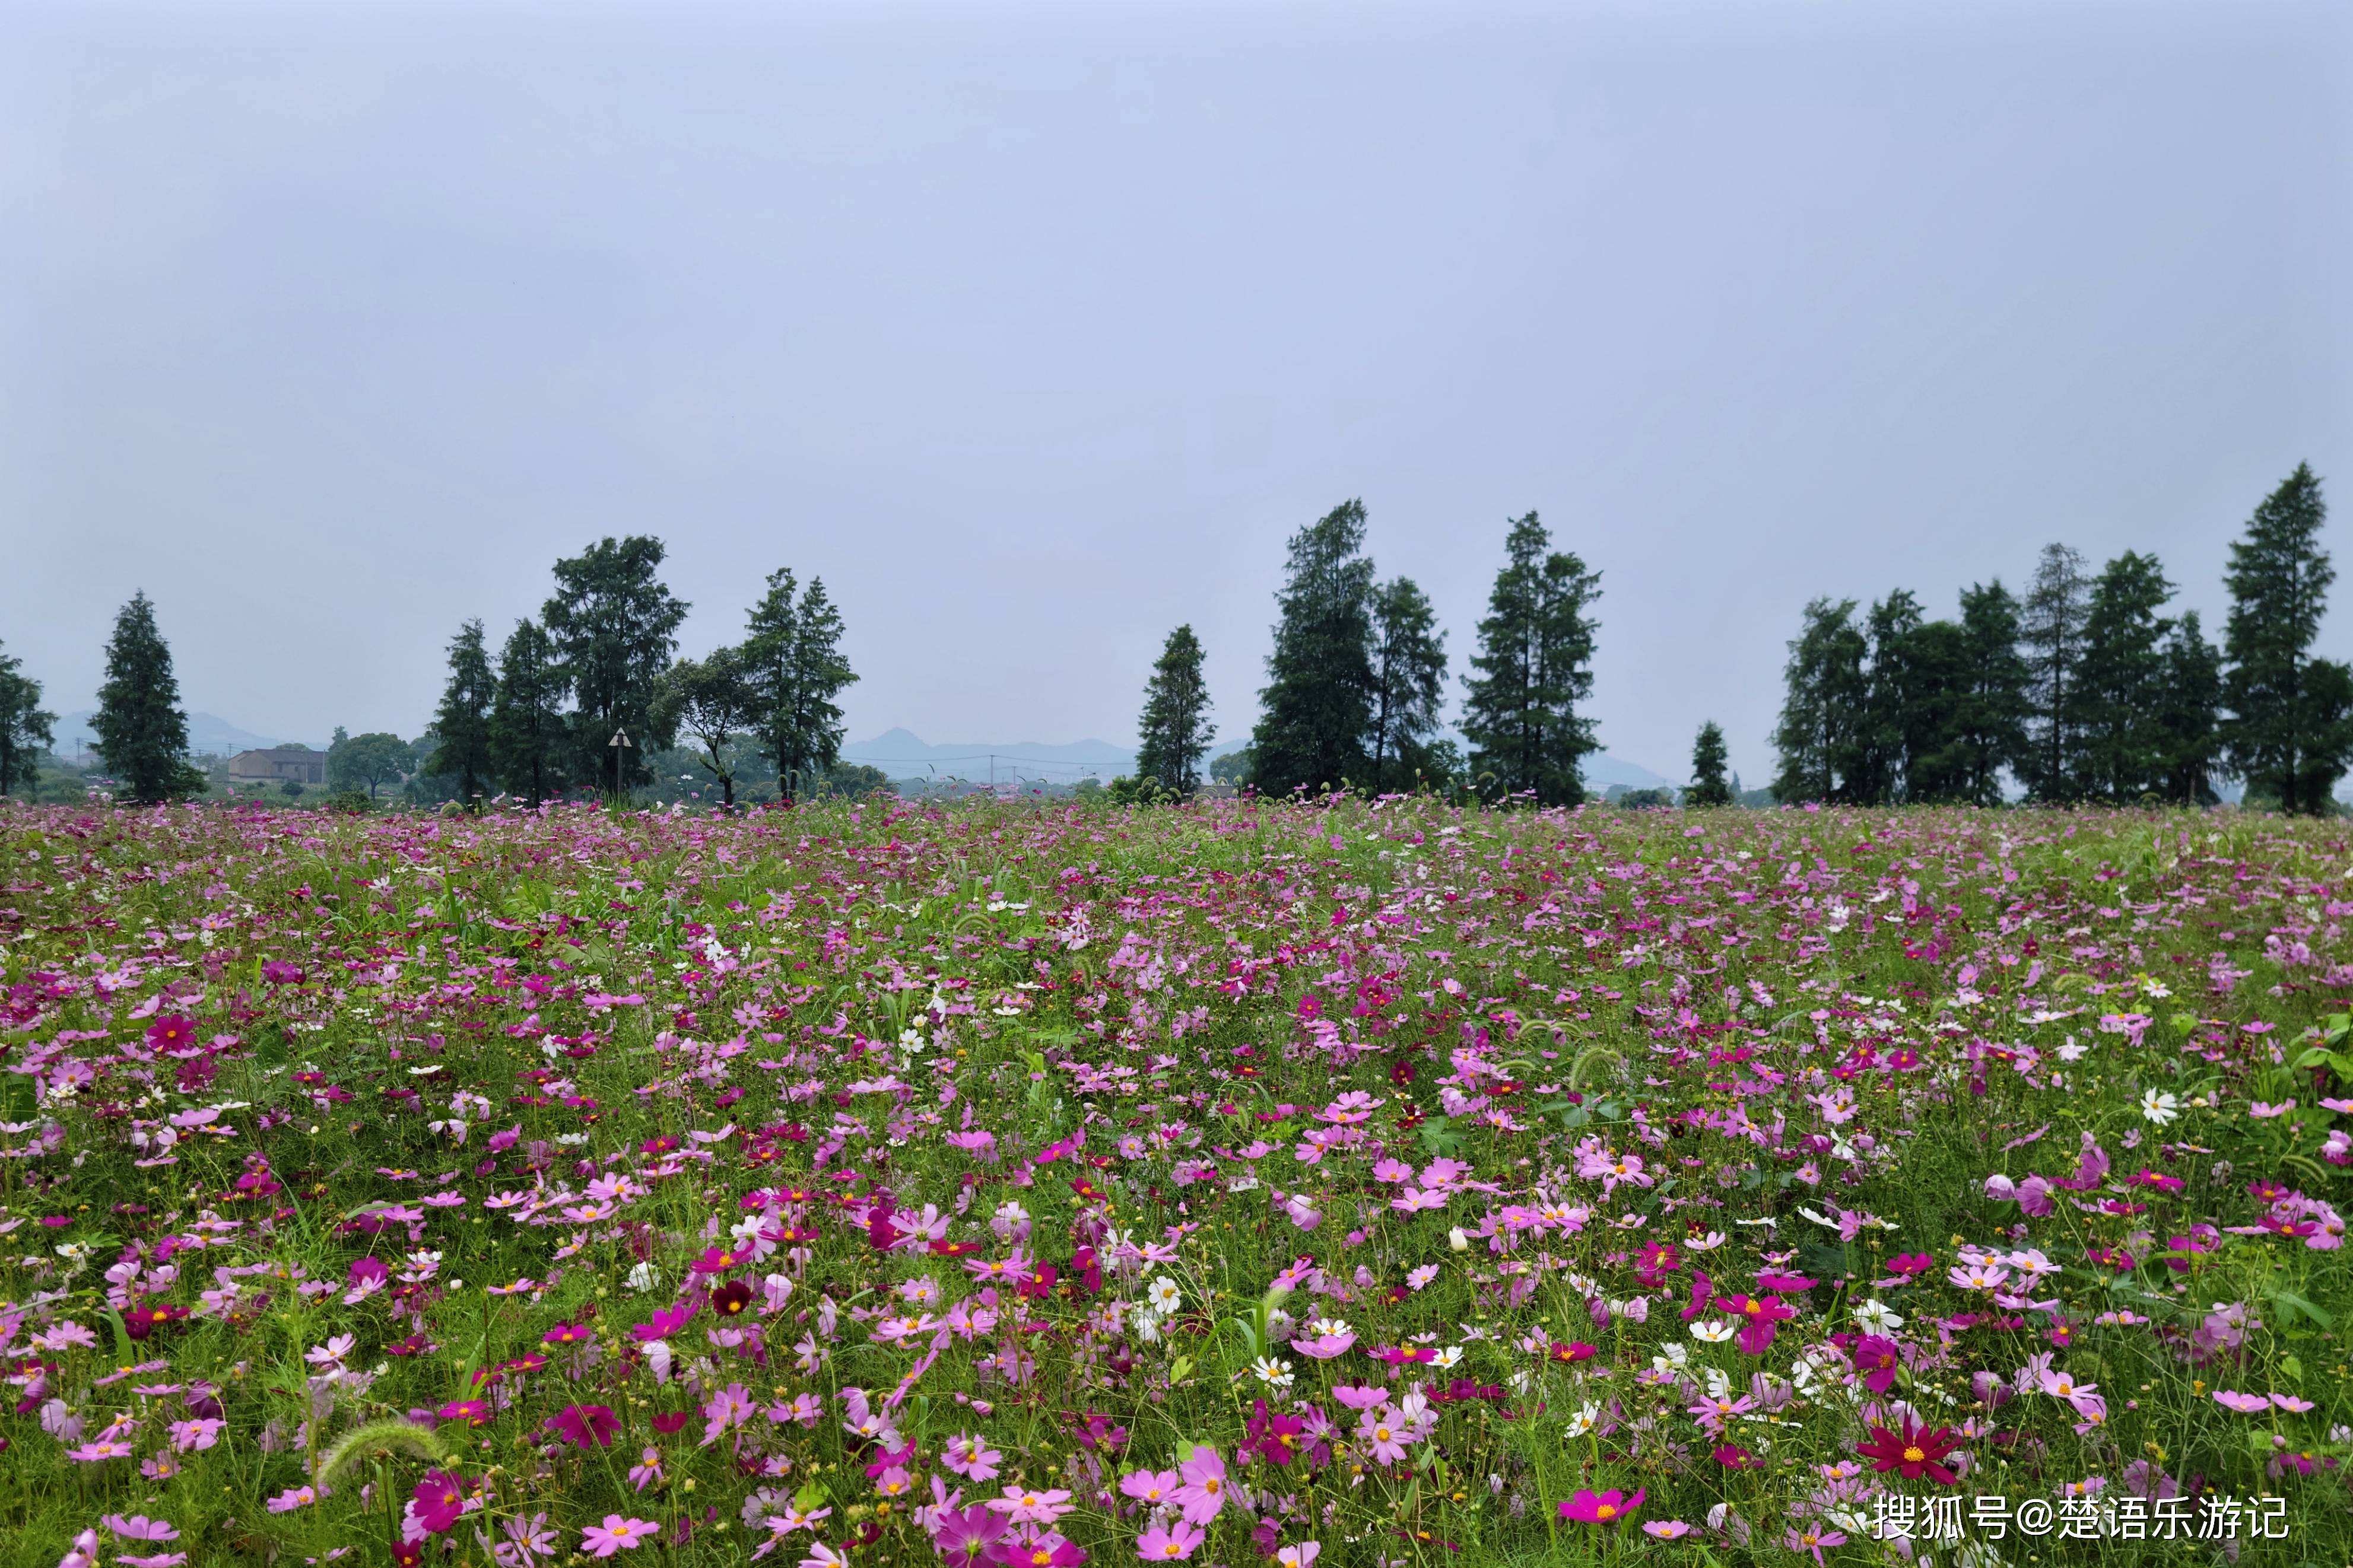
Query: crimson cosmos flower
[
  {"x": 1913, "y": 1452},
  {"x": 582, "y": 1424}
]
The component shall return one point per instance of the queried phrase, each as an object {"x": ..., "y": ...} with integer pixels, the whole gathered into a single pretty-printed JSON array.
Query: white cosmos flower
[
  {"x": 1710, "y": 1332},
  {"x": 1452, "y": 1355},
  {"x": 1878, "y": 1317},
  {"x": 2159, "y": 1107},
  {"x": 1163, "y": 1293},
  {"x": 1272, "y": 1373},
  {"x": 1587, "y": 1416}
]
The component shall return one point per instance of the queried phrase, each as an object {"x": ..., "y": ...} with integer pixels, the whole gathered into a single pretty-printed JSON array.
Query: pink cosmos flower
[
  {"x": 102, "y": 1449},
  {"x": 1383, "y": 1434},
  {"x": 2245, "y": 1404},
  {"x": 1150, "y": 1486},
  {"x": 971, "y": 1457},
  {"x": 731, "y": 1406},
  {"x": 2065, "y": 1385},
  {"x": 1178, "y": 1540},
  {"x": 138, "y": 1527},
  {"x": 1813, "y": 1538},
  {"x": 1204, "y": 1491},
  {"x": 1021, "y": 1505},
  {"x": 1322, "y": 1347},
  {"x": 616, "y": 1535}
]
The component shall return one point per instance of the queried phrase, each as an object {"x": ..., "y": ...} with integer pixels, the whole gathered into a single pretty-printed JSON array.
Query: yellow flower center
[
  {"x": 1604, "y": 1511},
  {"x": 1914, "y": 1454}
]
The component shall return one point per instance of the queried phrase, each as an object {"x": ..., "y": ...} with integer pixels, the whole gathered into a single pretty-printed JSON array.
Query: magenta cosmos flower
[
  {"x": 1600, "y": 1508},
  {"x": 1757, "y": 1314},
  {"x": 440, "y": 1500},
  {"x": 965, "y": 1537}
]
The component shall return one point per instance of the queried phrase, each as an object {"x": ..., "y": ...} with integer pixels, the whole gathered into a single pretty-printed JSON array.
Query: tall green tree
[
  {"x": 2119, "y": 685},
  {"x": 2189, "y": 714},
  {"x": 710, "y": 701},
  {"x": 1409, "y": 664},
  {"x": 461, "y": 724},
  {"x": 1175, "y": 726},
  {"x": 1707, "y": 786},
  {"x": 143, "y": 733},
  {"x": 1935, "y": 656},
  {"x": 1989, "y": 723},
  {"x": 1535, "y": 665},
  {"x": 1902, "y": 710},
  {"x": 1317, "y": 703},
  {"x": 2291, "y": 727},
  {"x": 615, "y": 626},
  {"x": 530, "y": 739},
  {"x": 26, "y": 730},
  {"x": 795, "y": 667},
  {"x": 2050, "y": 632},
  {"x": 1822, "y": 708},
  {"x": 367, "y": 761}
]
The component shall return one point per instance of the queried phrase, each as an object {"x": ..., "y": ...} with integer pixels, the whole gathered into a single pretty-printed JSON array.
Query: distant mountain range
[
  {"x": 904, "y": 755},
  {"x": 209, "y": 735},
  {"x": 901, "y": 754}
]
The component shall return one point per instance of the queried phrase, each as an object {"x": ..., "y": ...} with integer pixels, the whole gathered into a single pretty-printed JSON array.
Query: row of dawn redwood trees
[
  {"x": 1357, "y": 681},
  {"x": 2083, "y": 691}
]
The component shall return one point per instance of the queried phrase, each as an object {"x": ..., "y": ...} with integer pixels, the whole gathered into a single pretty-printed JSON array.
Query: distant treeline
[
  {"x": 582, "y": 698},
  {"x": 2082, "y": 690}
]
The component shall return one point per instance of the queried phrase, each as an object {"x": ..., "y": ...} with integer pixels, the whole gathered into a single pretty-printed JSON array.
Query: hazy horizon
[{"x": 1036, "y": 331}]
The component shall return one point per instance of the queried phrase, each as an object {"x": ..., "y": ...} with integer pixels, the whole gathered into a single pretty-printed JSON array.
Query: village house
[{"x": 277, "y": 765}]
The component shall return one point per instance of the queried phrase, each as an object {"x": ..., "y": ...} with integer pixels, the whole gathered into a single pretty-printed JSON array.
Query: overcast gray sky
[{"x": 1036, "y": 330}]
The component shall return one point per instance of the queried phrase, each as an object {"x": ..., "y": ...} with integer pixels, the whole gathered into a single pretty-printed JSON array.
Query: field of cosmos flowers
[{"x": 1353, "y": 1184}]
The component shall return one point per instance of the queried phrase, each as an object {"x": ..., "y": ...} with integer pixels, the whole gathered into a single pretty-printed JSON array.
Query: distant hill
[
  {"x": 209, "y": 735},
  {"x": 1601, "y": 769},
  {"x": 901, "y": 754}
]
